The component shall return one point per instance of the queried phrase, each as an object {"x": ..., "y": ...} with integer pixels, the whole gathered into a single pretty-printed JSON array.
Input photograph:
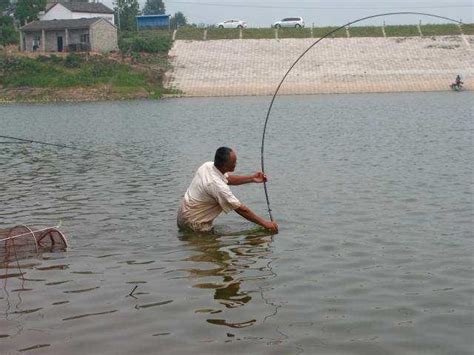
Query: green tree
[
  {"x": 8, "y": 34},
  {"x": 27, "y": 10},
  {"x": 4, "y": 4},
  {"x": 178, "y": 20},
  {"x": 126, "y": 12},
  {"x": 154, "y": 7}
]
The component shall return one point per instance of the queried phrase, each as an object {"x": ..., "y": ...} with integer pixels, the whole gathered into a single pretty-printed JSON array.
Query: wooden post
[
  {"x": 66, "y": 39},
  {"x": 466, "y": 42},
  {"x": 240, "y": 33},
  {"x": 347, "y": 32},
  {"x": 205, "y": 34},
  {"x": 118, "y": 18},
  {"x": 43, "y": 41},
  {"x": 21, "y": 41},
  {"x": 459, "y": 26},
  {"x": 383, "y": 30},
  {"x": 419, "y": 29},
  {"x": 174, "y": 34},
  {"x": 276, "y": 32},
  {"x": 312, "y": 26}
]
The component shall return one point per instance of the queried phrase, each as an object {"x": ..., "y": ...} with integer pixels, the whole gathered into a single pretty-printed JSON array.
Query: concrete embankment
[{"x": 339, "y": 65}]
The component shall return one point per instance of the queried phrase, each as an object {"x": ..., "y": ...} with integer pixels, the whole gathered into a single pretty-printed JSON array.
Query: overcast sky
[{"x": 262, "y": 13}]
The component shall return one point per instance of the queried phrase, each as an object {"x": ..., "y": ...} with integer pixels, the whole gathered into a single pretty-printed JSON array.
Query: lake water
[{"x": 373, "y": 195}]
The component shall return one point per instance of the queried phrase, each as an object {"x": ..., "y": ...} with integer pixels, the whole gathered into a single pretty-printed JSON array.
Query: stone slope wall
[{"x": 340, "y": 65}]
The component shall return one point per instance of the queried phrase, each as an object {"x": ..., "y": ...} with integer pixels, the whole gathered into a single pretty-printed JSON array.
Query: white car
[
  {"x": 289, "y": 22},
  {"x": 232, "y": 24}
]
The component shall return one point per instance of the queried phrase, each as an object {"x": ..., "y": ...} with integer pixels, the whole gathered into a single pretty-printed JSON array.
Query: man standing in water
[{"x": 209, "y": 194}]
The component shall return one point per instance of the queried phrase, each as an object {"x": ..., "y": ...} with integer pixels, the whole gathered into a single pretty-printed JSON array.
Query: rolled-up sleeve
[{"x": 225, "y": 198}]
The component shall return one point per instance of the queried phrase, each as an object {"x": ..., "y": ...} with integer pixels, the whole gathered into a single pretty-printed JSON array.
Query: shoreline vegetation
[
  {"x": 139, "y": 70},
  {"x": 82, "y": 77}
]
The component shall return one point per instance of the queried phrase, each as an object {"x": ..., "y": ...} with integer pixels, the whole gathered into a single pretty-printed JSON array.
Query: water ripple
[{"x": 373, "y": 195}]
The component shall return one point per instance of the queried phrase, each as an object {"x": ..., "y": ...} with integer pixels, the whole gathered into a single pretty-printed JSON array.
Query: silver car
[
  {"x": 296, "y": 22},
  {"x": 232, "y": 24}
]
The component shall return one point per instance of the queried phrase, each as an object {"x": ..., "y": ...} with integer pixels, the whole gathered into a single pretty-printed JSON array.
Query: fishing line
[
  {"x": 24, "y": 140},
  {"x": 301, "y": 56}
]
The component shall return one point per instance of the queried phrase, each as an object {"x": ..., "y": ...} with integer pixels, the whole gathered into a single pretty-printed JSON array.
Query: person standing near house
[{"x": 209, "y": 194}]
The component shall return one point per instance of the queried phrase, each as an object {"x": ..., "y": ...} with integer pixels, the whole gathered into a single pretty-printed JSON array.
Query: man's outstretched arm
[
  {"x": 245, "y": 179},
  {"x": 247, "y": 213}
]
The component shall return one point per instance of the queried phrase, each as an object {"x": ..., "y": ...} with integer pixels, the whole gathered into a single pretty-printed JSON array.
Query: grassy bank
[
  {"x": 81, "y": 77},
  {"x": 137, "y": 71},
  {"x": 196, "y": 34}
]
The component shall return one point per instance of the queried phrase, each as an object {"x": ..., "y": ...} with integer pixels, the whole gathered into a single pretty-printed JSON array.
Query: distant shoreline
[
  {"x": 177, "y": 96},
  {"x": 254, "y": 67},
  {"x": 77, "y": 94}
]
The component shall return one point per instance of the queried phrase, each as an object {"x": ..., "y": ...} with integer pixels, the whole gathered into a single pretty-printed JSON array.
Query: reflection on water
[{"x": 224, "y": 264}]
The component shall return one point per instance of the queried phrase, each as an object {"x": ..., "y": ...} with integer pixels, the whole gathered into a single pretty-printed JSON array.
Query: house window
[{"x": 85, "y": 38}]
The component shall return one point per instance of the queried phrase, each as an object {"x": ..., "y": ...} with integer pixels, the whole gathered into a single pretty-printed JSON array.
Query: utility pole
[
  {"x": 118, "y": 4},
  {"x": 118, "y": 17}
]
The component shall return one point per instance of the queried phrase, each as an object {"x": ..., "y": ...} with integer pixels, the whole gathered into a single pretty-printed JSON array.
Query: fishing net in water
[{"x": 23, "y": 239}]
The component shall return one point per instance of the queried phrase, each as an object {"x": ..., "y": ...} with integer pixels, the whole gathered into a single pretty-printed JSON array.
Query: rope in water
[
  {"x": 24, "y": 140},
  {"x": 301, "y": 56}
]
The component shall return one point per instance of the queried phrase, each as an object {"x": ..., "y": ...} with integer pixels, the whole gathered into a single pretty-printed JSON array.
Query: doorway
[{"x": 60, "y": 44}]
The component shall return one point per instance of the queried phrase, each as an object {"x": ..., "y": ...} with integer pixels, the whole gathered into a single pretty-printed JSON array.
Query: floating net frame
[
  {"x": 22, "y": 242},
  {"x": 22, "y": 237}
]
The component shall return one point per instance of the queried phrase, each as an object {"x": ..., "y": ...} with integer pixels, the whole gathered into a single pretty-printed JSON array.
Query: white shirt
[{"x": 206, "y": 197}]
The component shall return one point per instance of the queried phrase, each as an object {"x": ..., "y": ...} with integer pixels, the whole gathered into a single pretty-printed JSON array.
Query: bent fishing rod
[{"x": 302, "y": 55}]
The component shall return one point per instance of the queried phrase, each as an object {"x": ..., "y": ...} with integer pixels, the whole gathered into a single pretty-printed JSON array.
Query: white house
[{"x": 77, "y": 10}]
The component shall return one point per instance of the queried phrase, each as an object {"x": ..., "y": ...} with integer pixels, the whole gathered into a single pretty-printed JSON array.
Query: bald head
[{"x": 225, "y": 159}]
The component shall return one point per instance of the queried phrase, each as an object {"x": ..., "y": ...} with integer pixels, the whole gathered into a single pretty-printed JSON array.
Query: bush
[
  {"x": 440, "y": 30},
  {"x": 148, "y": 43},
  {"x": 22, "y": 71},
  {"x": 102, "y": 69},
  {"x": 223, "y": 33},
  {"x": 190, "y": 34},
  {"x": 259, "y": 33},
  {"x": 8, "y": 34},
  {"x": 365, "y": 31},
  {"x": 12, "y": 65},
  {"x": 319, "y": 32},
  {"x": 294, "y": 32},
  {"x": 50, "y": 59},
  {"x": 72, "y": 61},
  {"x": 402, "y": 31},
  {"x": 468, "y": 29}
]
